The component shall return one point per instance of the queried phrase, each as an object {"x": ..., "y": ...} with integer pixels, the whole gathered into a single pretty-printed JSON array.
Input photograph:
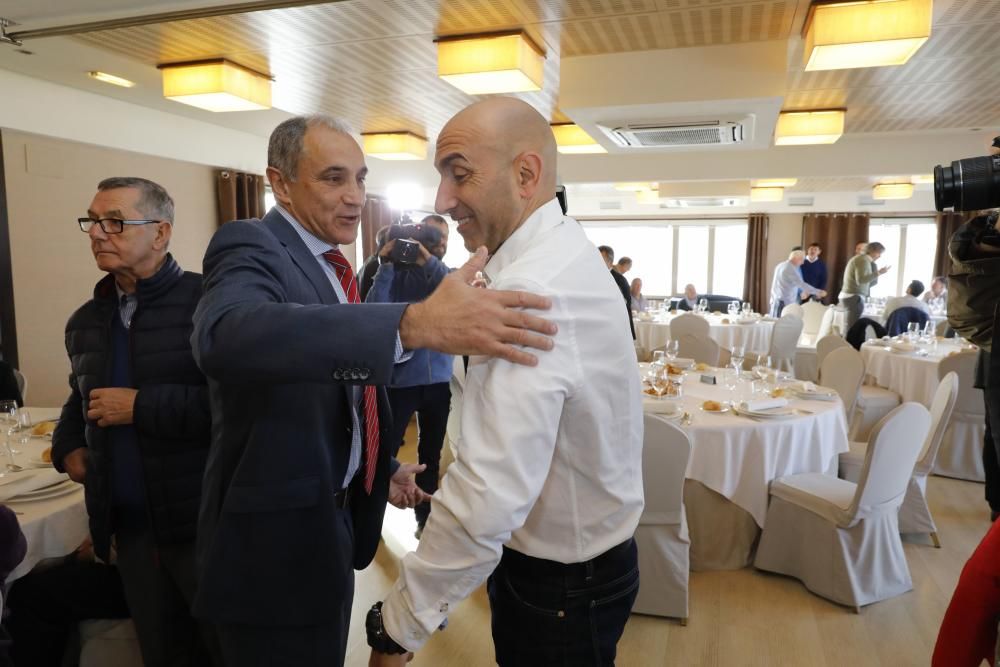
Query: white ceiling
[{"x": 372, "y": 63}]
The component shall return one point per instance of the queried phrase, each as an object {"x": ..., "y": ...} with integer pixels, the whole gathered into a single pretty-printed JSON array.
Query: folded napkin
[
  {"x": 763, "y": 404},
  {"x": 28, "y": 480},
  {"x": 903, "y": 347}
]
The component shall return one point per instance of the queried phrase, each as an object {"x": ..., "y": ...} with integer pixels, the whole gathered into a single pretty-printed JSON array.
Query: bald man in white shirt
[{"x": 546, "y": 492}]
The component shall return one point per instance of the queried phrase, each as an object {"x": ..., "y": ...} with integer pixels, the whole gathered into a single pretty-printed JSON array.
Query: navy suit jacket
[{"x": 281, "y": 354}]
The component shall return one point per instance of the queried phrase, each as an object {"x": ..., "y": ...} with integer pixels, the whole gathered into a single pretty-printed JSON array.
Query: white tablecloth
[
  {"x": 756, "y": 338},
  {"x": 52, "y": 527},
  {"x": 737, "y": 458},
  {"x": 913, "y": 377}
]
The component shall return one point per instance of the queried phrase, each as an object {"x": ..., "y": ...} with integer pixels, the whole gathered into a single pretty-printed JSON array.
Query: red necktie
[{"x": 369, "y": 402}]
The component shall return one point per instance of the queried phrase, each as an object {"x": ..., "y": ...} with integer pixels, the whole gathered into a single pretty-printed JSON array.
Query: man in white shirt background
[
  {"x": 938, "y": 291},
  {"x": 788, "y": 283},
  {"x": 546, "y": 492}
]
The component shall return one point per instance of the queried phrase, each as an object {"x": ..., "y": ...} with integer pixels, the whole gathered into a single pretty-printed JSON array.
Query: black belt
[{"x": 518, "y": 560}]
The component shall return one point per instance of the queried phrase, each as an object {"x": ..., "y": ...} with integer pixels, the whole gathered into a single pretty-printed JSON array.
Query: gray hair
[
  {"x": 284, "y": 148},
  {"x": 154, "y": 202},
  {"x": 874, "y": 246},
  {"x": 796, "y": 253}
]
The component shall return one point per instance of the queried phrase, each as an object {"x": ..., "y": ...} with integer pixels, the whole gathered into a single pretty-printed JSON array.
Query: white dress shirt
[
  {"x": 787, "y": 282},
  {"x": 551, "y": 457},
  {"x": 906, "y": 301}
]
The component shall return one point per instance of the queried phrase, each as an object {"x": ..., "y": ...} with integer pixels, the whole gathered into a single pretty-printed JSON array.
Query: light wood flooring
[{"x": 744, "y": 617}]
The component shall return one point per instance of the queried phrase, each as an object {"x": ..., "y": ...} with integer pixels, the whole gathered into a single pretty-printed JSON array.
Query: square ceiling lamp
[
  {"x": 648, "y": 196},
  {"x": 775, "y": 182},
  {"x": 758, "y": 194},
  {"x": 507, "y": 62},
  {"x": 570, "y": 139},
  {"x": 216, "y": 85},
  {"x": 843, "y": 34},
  {"x": 892, "y": 191},
  {"x": 395, "y": 146},
  {"x": 799, "y": 128}
]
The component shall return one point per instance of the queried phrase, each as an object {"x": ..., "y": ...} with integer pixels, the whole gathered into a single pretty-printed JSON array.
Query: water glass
[
  {"x": 703, "y": 305},
  {"x": 658, "y": 357},
  {"x": 747, "y": 310},
  {"x": 736, "y": 357},
  {"x": 672, "y": 349}
]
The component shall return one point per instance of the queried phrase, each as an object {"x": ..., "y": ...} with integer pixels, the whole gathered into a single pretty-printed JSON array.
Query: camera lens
[{"x": 968, "y": 185}]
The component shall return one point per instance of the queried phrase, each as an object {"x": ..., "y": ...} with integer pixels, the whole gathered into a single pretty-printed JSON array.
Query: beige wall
[{"x": 784, "y": 232}]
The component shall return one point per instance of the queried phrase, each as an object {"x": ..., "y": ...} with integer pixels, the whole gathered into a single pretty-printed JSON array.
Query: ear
[
  {"x": 279, "y": 185},
  {"x": 529, "y": 173},
  {"x": 163, "y": 233}
]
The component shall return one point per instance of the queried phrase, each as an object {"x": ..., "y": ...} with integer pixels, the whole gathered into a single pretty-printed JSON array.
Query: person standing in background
[
  {"x": 860, "y": 274},
  {"x": 608, "y": 253},
  {"x": 814, "y": 269}
]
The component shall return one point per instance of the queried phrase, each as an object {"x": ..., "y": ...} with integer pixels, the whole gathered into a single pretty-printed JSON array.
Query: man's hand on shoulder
[
  {"x": 460, "y": 319},
  {"x": 111, "y": 406}
]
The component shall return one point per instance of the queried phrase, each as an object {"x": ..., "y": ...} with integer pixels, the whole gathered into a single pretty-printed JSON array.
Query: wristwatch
[{"x": 378, "y": 639}]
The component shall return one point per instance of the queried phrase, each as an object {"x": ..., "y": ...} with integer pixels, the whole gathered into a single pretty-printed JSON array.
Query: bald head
[{"x": 497, "y": 160}]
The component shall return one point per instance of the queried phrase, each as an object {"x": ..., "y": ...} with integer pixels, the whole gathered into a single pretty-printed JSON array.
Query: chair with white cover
[
  {"x": 914, "y": 514},
  {"x": 812, "y": 317},
  {"x": 703, "y": 350},
  {"x": 841, "y": 539},
  {"x": 874, "y": 402},
  {"x": 842, "y": 370},
  {"x": 784, "y": 339},
  {"x": 825, "y": 346},
  {"x": 793, "y": 309},
  {"x": 826, "y": 324},
  {"x": 961, "y": 454},
  {"x": 662, "y": 535},
  {"x": 690, "y": 324}
]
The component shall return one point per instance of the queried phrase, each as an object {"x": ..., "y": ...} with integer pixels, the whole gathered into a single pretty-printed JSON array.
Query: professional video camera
[
  {"x": 408, "y": 238},
  {"x": 971, "y": 184}
]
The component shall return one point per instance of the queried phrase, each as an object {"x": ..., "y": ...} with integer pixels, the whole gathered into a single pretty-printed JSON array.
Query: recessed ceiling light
[
  {"x": 775, "y": 182},
  {"x": 570, "y": 139},
  {"x": 892, "y": 191},
  {"x": 395, "y": 146},
  {"x": 798, "y": 128},
  {"x": 216, "y": 85},
  {"x": 507, "y": 62},
  {"x": 110, "y": 78},
  {"x": 767, "y": 194}
]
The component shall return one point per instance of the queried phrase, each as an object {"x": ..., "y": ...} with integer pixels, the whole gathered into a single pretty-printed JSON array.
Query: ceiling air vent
[
  {"x": 678, "y": 134},
  {"x": 609, "y": 205},
  {"x": 801, "y": 201}
]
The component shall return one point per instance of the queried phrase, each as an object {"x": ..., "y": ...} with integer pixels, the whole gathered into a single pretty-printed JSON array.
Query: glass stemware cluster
[{"x": 15, "y": 422}]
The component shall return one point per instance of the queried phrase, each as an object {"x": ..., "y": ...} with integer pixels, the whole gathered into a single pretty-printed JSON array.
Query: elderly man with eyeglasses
[{"x": 135, "y": 429}]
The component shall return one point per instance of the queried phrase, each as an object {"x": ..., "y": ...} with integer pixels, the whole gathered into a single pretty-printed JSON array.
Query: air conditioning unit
[
  {"x": 704, "y": 202},
  {"x": 680, "y": 134}
]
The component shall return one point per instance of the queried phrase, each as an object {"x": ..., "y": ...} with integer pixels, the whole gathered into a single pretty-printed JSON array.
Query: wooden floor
[{"x": 740, "y": 618}]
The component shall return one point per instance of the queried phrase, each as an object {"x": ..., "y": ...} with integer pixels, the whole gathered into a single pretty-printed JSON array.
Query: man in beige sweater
[{"x": 859, "y": 275}]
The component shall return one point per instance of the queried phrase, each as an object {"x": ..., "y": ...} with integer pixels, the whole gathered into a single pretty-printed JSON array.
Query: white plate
[
  {"x": 786, "y": 413},
  {"x": 63, "y": 488},
  {"x": 816, "y": 396}
]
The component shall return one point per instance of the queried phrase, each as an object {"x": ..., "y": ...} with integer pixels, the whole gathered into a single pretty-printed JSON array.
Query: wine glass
[
  {"x": 703, "y": 305},
  {"x": 672, "y": 348},
  {"x": 23, "y": 428},
  {"x": 736, "y": 358},
  {"x": 8, "y": 422},
  {"x": 747, "y": 309},
  {"x": 764, "y": 367},
  {"x": 658, "y": 357},
  {"x": 661, "y": 382},
  {"x": 731, "y": 380}
]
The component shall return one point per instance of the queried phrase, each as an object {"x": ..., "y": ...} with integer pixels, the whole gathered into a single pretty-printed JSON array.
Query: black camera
[
  {"x": 971, "y": 184},
  {"x": 409, "y": 238}
]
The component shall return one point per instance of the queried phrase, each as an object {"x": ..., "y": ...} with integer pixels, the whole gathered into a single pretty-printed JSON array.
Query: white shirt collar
[{"x": 545, "y": 217}]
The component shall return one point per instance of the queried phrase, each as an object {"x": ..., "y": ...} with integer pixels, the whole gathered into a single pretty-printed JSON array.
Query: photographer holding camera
[{"x": 410, "y": 268}]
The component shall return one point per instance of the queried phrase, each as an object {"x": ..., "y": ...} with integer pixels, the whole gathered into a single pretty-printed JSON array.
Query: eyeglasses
[{"x": 110, "y": 225}]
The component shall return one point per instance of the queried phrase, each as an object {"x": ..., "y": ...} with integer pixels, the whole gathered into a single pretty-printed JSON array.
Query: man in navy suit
[{"x": 297, "y": 476}]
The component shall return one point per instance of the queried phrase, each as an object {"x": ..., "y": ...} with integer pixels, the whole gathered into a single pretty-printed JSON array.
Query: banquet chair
[
  {"x": 825, "y": 346},
  {"x": 873, "y": 403},
  {"x": 813, "y": 313},
  {"x": 901, "y": 318},
  {"x": 841, "y": 539},
  {"x": 961, "y": 454},
  {"x": 914, "y": 514},
  {"x": 792, "y": 309},
  {"x": 690, "y": 324},
  {"x": 701, "y": 349},
  {"x": 662, "y": 535},
  {"x": 826, "y": 324},
  {"x": 784, "y": 339},
  {"x": 842, "y": 370},
  {"x": 858, "y": 333}
]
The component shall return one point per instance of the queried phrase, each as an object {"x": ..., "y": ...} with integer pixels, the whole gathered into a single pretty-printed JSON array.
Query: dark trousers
[
  {"x": 991, "y": 448},
  {"x": 275, "y": 645},
  {"x": 431, "y": 403},
  {"x": 556, "y": 615},
  {"x": 855, "y": 306},
  {"x": 45, "y": 606},
  {"x": 159, "y": 583}
]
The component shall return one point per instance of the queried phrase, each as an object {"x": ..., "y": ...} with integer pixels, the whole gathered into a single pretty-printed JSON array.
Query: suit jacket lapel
[{"x": 300, "y": 254}]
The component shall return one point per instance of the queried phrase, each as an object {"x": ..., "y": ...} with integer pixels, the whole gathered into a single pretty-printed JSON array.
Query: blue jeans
[{"x": 558, "y": 615}]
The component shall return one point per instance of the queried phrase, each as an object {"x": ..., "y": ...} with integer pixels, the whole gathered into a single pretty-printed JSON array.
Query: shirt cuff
[
  {"x": 401, "y": 354},
  {"x": 400, "y": 623}
]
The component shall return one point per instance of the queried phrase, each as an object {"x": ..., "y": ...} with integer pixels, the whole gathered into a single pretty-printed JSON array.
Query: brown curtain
[
  {"x": 837, "y": 233},
  {"x": 374, "y": 217},
  {"x": 947, "y": 224},
  {"x": 241, "y": 196},
  {"x": 755, "y": 283}
]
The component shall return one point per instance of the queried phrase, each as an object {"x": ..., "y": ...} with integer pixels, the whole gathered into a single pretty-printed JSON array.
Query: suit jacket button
[
  {"x": 365, "y": 375},
  {"x": 338, "y": 375}
]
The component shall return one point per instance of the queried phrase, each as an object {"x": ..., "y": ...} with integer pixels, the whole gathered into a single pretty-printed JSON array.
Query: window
[
  {"x": 710, "y": 254},
  {"x": 910, "y": 245}
]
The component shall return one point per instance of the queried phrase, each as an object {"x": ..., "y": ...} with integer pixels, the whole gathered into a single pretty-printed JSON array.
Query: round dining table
[
  {"x": 914, "y": 374},
  {"x": 735, "y": 458},
  {"x": 653, "y": 332},
  {"x": 52, "y": 526}
]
